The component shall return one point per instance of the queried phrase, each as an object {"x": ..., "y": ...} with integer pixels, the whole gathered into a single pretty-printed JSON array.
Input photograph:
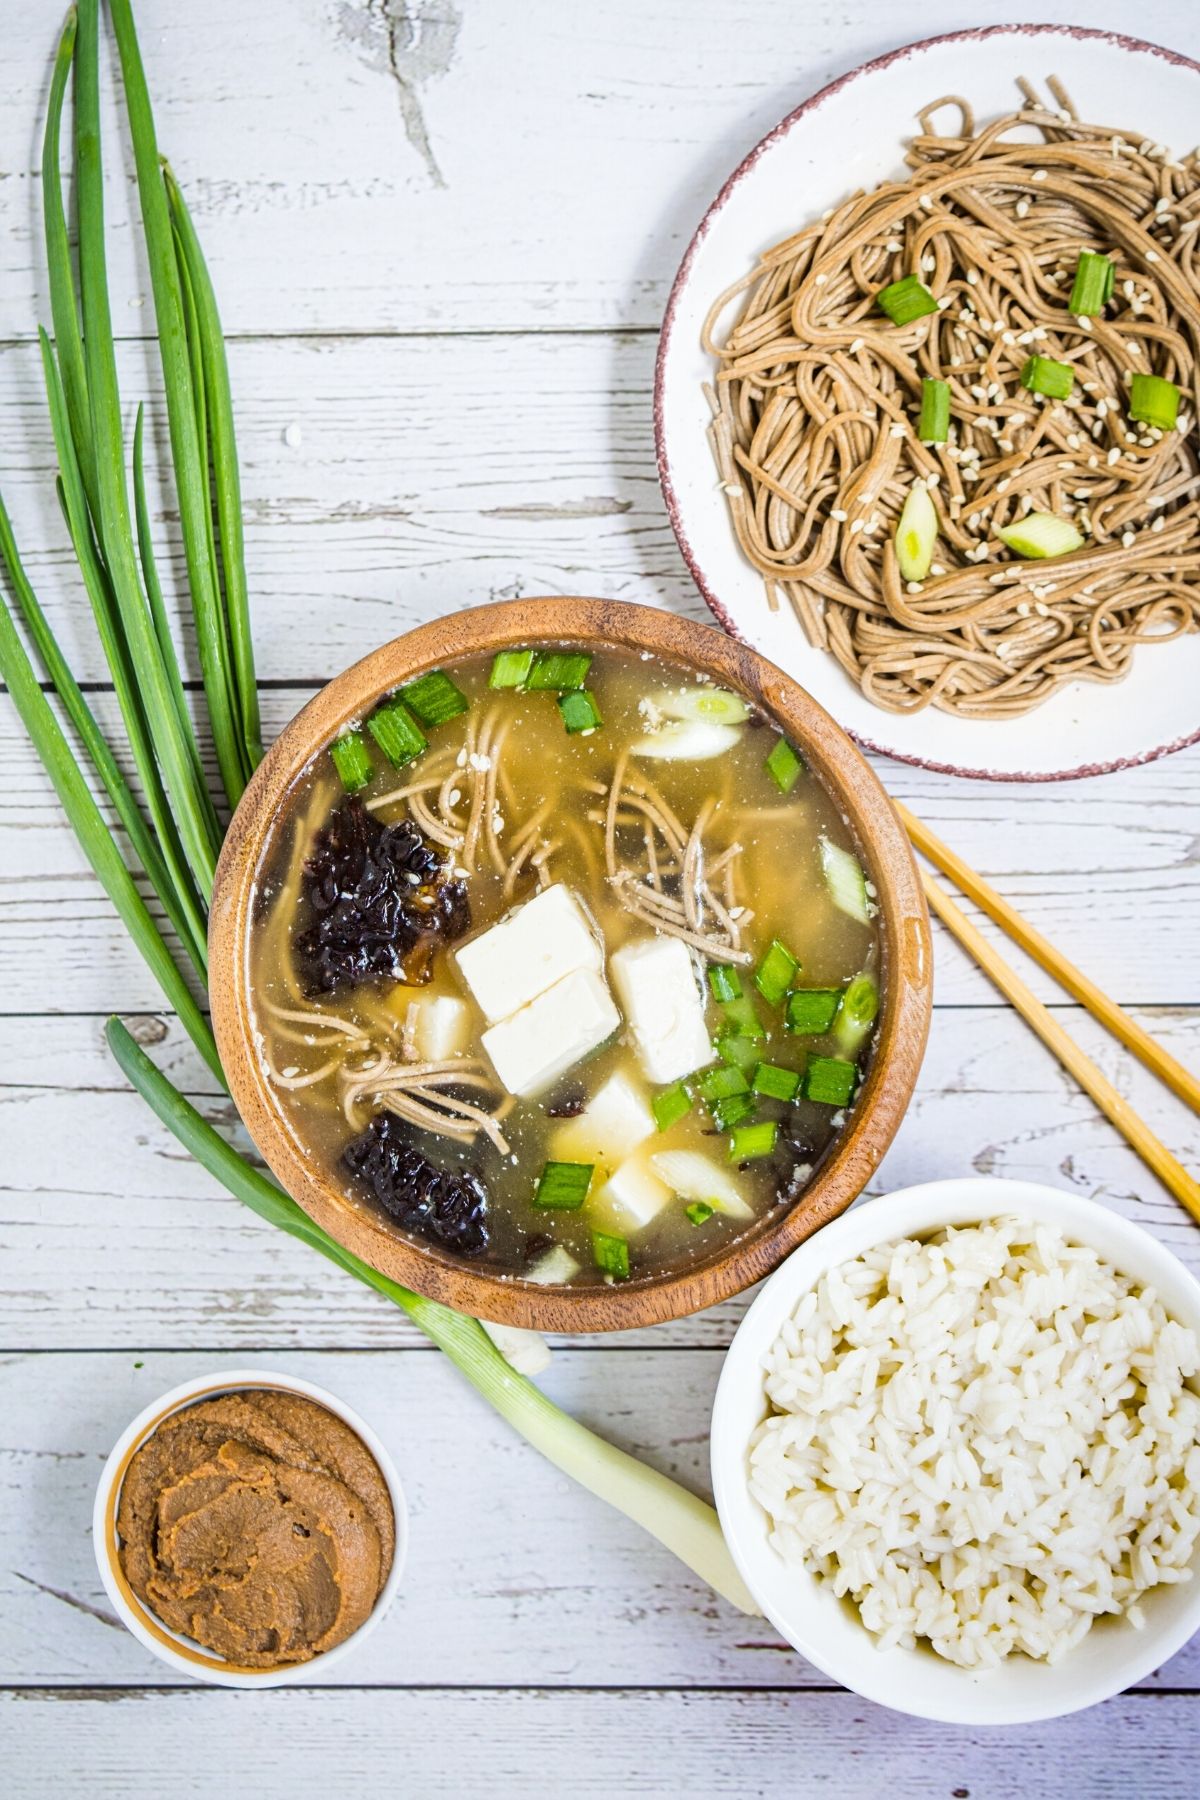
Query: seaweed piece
[{"x": 447, "y": 1206}]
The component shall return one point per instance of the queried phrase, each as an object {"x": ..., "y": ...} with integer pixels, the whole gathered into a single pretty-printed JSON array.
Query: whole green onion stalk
[{"x": 170, "y": 837}]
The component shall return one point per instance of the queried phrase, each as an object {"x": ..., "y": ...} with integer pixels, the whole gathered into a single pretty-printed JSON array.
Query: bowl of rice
[{"x": 956, "y": 1451}]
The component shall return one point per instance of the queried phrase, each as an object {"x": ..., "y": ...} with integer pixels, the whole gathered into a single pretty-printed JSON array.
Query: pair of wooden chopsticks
[{"x": 1151, "y": 1149}]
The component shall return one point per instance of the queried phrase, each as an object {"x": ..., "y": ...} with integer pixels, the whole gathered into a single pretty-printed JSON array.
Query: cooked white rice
[{"x": 985, "y": 1440}]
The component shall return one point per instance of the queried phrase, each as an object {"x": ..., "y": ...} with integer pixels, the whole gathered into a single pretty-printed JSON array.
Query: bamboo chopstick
[
  {"x": 1152, "y": 1150},
  {"x": 1181, "y": 1081}
]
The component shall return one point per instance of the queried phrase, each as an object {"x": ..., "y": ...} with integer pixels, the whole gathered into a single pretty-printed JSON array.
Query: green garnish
[
  {"x": 905, "y": 300},
  {"x": 774, "y": 974},
  {"x": 753, "y": 1140},
  {"x": 611, "y": 1254},
  {"x": 829, "y": 1079},
  {"x": 352, "y": 760},
  {"x": 1095, "y": 278},
  {"x": 1041, "y": 534},
  {"x": 742, "y": 1019},
  {"x": 1042, "y": 375},
  {"x": 933, "y": 426},
  {"x": 739, "y": 1052},
  {"x": 510, "y": 668},
  {"x": 785, "y": 765},
  {"x": 563, "y": 1186},
  {"x": 856, "y": 1015},
  {"x": 731, "y": 1111},
  {"x": 916, "y": 534},
  {"x": 579, "y": 710},
  {"x": 558, "y": 670},
  {"x": 673, "y": 1104},
  {"x": 699, "y": 1212},
  {"x": 719, "y": 1083},
  {"x": 811, "y": 1011},
  {"x": 434, "y": 698},
  {"x": 776, "y": 1083},
  {"x": 725, "y": 982},
  {"x": 397, "y": 733},
  {"x": 846, "y": 882},
  {"x": 1154, "y": 401}
]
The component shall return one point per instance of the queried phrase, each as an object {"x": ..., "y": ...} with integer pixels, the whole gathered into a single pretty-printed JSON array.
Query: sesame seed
[
  {"x": 894, "y": 246},
  {"x": 1157, "y": 524},
  {"x": 972, "y": 277},
  {"x": 929, "y": 263},
  {"x": 937, "y": 569},
  {"x": 1022, "y": 208},
  {"x": 1039, "y": 174},
  {"x": 733, "y": 490},
  {"x": 913, "y": 587},
  {"x": 856, "y": 525},
  {"x": 1114, "y": 456},
  {"x": 1074, "y": 440},
  {"x": 838, "y": 514},
  {"x": 1083, "y": 324},
  {"x": 820, "y": 280},
  {"x": 932, "y": 480},
  {"x": 1003, "y": 486},
  {"x": 898, "y": 431},
  {"x": 1152, "y": 256},
  {"x": 926, "y": 201},
  {"x": 1128, "y": 540},
  {"x": 856, "y": 346},
  {"x": 1023, "y": 608}
]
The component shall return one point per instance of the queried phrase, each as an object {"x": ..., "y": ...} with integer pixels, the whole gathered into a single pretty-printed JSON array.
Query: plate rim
[{"x": 970, "y": 34}]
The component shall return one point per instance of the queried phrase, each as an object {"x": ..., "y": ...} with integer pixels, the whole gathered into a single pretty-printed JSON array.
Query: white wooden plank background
[{"x": 442, "y": 235}]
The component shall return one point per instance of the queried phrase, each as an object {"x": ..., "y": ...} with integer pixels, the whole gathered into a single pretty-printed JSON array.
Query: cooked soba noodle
[{"x": 816, "y": 399}]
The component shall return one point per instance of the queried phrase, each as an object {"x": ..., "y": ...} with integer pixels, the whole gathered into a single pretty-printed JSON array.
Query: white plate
[{"x": 851, "y": 135}]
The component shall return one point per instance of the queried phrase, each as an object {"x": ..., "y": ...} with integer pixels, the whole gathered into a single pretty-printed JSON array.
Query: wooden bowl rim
[{"x": 906, "y": 984}]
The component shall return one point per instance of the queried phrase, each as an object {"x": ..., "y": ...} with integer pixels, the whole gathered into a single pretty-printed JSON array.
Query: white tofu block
[
  {"x": 657, "y": 986},
  {"x": 443, "y": 1027},
  {"x": 555, "y": 1269},
  {"x": 615, "y": 1121},
  {"x": 633, "y": 1197},
  {"x": 550, "y": 1035},
  {"x": 525, "y": 1351},
  {"x": 530, "y": 949}
]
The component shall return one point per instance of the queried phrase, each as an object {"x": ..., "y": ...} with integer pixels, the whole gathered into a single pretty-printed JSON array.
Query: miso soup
[{"x": 564, "y": 962}]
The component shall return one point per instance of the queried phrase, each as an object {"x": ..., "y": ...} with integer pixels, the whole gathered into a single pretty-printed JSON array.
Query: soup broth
[{"x": 564, "y": 963}]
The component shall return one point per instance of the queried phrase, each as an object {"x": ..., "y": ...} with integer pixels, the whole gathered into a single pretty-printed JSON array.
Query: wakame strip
[
  {"x": 189, "y": 462},
  {"x": 226, "y": 473},
  {"x": 114, "y": 523},
  {"x": 64, "y": 304}
]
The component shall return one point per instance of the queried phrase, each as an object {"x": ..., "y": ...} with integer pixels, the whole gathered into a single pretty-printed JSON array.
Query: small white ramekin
[
  {"x": 179, "y": 1653},
  {"x": 804, "y": 1610}
]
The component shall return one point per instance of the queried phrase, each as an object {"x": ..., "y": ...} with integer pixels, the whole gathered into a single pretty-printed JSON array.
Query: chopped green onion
[
  {"x": 699, "y": 1212},
  {"x": 434, "y": 698},
  {"x": 731, "y": 1111},
  {"x": 829, "y": 1079},
  {"x": 673, "y": 1104},
  {"x": 905, "y": 300},
  {"x": 563, "y": 1186},
  {"x": 916, "y": 534},
  {"x": 856, "y": 1015},
  {"x": 1154, "y": 401},
  {"x": 510, "y": 668},
  {"x": 753, "y": 1140},
  {"x": 811, "y": 1011},
  {"x": 776, "y": 1083},
  {"x": 775, "y": 973},
  {"x": 559, "y": 670},
  {"x": 785, "y": 765},
  {"x": 725, "y": 982},
  {"x": 579, "y": 710},
  {"x": 846, "y": 882},
  {"x": 1095, "y": 278},
  {"x": 742, "y": 1019},
  {"x": 1042, "y": 375},
  {"x": 714, "y": 705},
  {"x": 1041, "y": 534},
  {"x": 933, "y": 427},
  {"x": 352, "y": 760},
  {"x": 739, "y": 1052},
  {"x": 611, "y": 1254},
  {"x": 397, "y": 733},
  {"x": 720, "y": 1082}
]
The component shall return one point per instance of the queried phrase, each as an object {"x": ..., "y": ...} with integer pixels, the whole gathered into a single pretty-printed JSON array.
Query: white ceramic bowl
[
  {"x": 852, "y": 135},
  {"x": 182, "y": 1654},
  {"x": 826, "y": 1630}
]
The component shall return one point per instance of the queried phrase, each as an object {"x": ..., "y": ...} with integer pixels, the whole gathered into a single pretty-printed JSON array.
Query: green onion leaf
[
  {"x": 397, "y": 733},
  {"x": 1095, "y": 278},
  {"x": 846, "y": 882},
  {"x": 510, "y": 668},
  {"x": 933, "y": 427},
  {"x": 725, "y": 982},
  {"x": 720, "y": 1082},
  {"x": 611, "y": 1254},
  {"x": 732, "y": 1110},
  {"x": 563, "y": 1186},
  {"x": 776, "y": 1083},
  {"x": 699, "y": 1212},
  {"x": 742, "y": 1019},
  {"x": 739, "y": 1052},
  {"x": 559, "y": 670},
  {"x": 673, "y": 1104},
  {"x": 856, "y": 1015},
  {"x": 811, "y": 1011},
  {"x": 352, "y": 760},
  {"x": 751, "y": 1141},
  {"x": 906, "y": 300},
  {"x": 829, "y": 1079},
  {"x": 434, "y": 698},
  {"x": 1041, "y": 534},
  {"x": 776, "y": 972},
  {"x": 1042, "y": 375},
  {"x": 1154, "y": 401},
  {"x": 579, "y": 710},
  {"x": 785, "y": 765},
  {"x": 916, "y": 534}
]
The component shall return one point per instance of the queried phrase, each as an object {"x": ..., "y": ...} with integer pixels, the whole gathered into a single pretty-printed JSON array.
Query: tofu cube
[
  {"x": 555, "y": 1269},
  {"x": 442, "y": 1027},
  {"x": 615, "y": 1121},
  {"x": 543, "y": 1040},
  {"x": 657, "y": 986},
  {"x": 632, "y": 1197},
  {"x": 530, "y": 950}
]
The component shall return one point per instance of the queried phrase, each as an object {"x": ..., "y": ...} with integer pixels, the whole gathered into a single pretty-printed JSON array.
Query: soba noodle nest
[{"x": 817, "y": 394}]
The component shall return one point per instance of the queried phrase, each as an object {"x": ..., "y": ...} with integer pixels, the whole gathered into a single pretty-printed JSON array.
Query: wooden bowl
[{"x": 906, "y": 985}]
